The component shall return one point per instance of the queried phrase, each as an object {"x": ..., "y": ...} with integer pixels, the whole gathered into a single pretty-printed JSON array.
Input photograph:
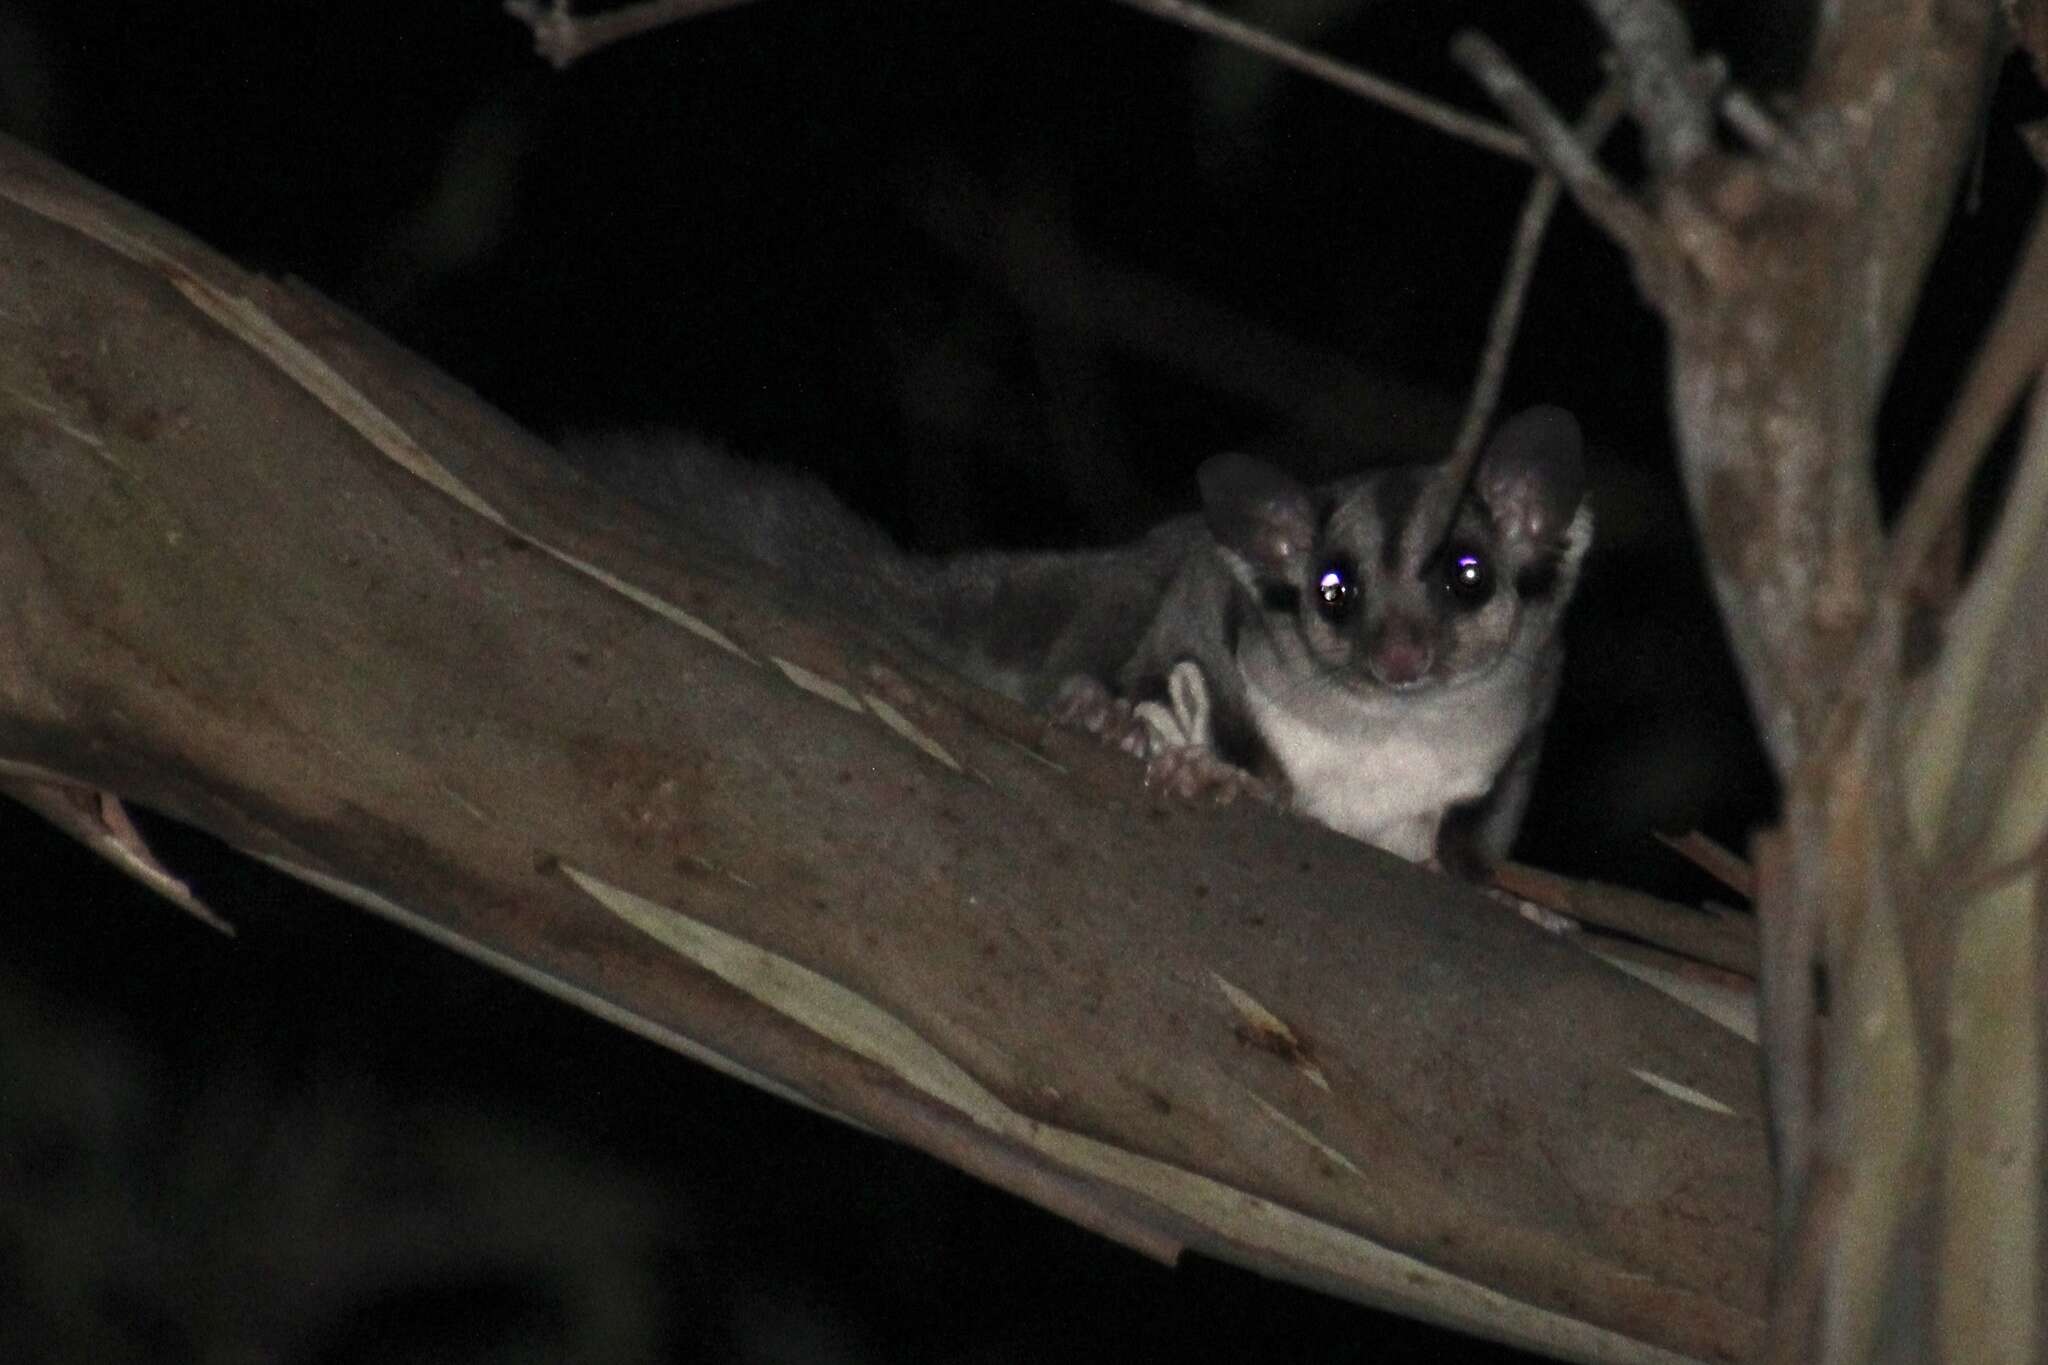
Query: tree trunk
[{"x": 1903, "y": 956}]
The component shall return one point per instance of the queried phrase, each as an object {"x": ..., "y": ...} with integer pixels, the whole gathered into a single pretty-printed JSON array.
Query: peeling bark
[{"x": 275, "y": 577}]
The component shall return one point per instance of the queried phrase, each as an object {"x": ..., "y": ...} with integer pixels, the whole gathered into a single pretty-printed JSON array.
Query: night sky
[{"x": 1002, "y": 274}]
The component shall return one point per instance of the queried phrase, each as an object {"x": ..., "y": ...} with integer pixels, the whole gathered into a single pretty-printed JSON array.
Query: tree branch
[
  {"x": 1725, "y": 939},
  {"x": 563, "y": 37},
  {"x": 1559, "y": 148},
  {"x": 1434, "y": 113},
  {"x": 452, "y": 682},
  {"x": 1537, "y": 209},
  {"x": 2008, "y": 361},
  {"x": 1804, "y": 265}
]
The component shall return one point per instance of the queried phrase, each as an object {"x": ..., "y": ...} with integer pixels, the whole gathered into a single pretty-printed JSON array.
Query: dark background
[{"x": 1003, "y": 274}]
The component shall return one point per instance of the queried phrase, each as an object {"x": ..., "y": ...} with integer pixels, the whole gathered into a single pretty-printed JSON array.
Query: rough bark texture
[
  {"x": 1907, "y": 1098},
  {"x": 273, "y": 576},
  {"x": 1779, "y": 367},
  {"x": 1780, "y": 363}
]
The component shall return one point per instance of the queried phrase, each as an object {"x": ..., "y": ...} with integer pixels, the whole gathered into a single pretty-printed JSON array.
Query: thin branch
[
  {"x": 1594, "y": 126},
  {"x": 562, "y": 37},
  {"x": 2010, "y": 359},
  {"x": 1506, "y": 321},
  {"x": 1716, "y": 860},
  {"x": 1765, "y": 135},
  {"x": 1975, "y": 880},
  {"x": 1559, "y": 148},
  {"x": 1656, "y": 54},
  {"x": 1438, "y": 115},
  {"x": 1683, "y": 231},
  {"x": 1723, "y": 939}
]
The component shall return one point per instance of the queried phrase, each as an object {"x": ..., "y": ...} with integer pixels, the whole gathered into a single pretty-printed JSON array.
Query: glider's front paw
[
  {"x": 1082, "y": 703},
  {"x": 1194, "y": 773}
]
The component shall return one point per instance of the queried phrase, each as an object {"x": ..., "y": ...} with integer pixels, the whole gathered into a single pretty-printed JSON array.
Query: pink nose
[{"x": 1399, "y": 654}]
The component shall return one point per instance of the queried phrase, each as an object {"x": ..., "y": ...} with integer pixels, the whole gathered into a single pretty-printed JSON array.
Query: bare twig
[
  {"x": 2012, "y": 355},
  {"x": 1438, "y": 115},
  {"x": 1655, "y": 50},
  {"x": 1683, "y": 229},
  {"x": 1720, "y": 939},
  {"x": 1717, "y": 861},
  {"x": 1599, "y": 119},
  {"x": 1506, "y": 320},
  {"x": 1559, "y": 148},
  {"x": 562, "y": 37},
  {"x": 1764, "y": 134},
  {"x": 1973, "y": 879}
]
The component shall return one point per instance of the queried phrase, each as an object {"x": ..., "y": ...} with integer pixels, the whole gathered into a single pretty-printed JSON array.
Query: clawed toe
[
  {"x": 1082, "y": 703},
  {"x": 1195, "y": 773}
]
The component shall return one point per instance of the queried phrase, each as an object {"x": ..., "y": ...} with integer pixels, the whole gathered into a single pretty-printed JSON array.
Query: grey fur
[{"x": 1378, "y": 718}]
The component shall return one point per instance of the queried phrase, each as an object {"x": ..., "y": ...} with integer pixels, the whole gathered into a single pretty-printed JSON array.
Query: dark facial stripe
[
  {"x": 1281, "y": 598},
  {"x": 1393, "y": 500},
  {"x": 1537, "y": 581}
]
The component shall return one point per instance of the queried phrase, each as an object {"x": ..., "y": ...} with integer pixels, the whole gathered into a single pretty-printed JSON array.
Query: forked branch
[
  {"x": 563, "y": 36},
  {"x": 1780, "y": 353},
  {"x": 1561, "y": 151}
]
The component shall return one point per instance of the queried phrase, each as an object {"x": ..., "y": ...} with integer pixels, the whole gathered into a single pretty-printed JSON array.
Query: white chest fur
[{"x": 1385, "y": 768}]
